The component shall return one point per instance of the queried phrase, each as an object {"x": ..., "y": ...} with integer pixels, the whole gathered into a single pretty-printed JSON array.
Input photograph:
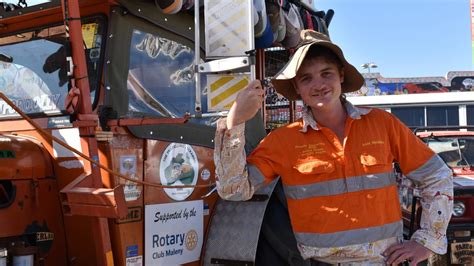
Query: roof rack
[{"x": 417, "y": 129}]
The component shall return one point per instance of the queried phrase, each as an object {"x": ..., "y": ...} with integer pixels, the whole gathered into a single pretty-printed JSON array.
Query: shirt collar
[{"x": 354, "y": 112}]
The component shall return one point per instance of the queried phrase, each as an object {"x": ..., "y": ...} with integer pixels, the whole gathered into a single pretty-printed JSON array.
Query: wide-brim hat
[{"x": 353, "y": 80}]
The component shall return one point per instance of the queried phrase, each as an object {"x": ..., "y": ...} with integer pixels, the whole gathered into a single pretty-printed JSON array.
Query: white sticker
[
  {"x": 178, "y": 166},
  {"x": 173, "y": 233},
  {"x": 205, "y": 174},
  {"x": 71, "y": 137},
  {"x": 128, "y": 167},
  {"x": 134, "y": 261}
]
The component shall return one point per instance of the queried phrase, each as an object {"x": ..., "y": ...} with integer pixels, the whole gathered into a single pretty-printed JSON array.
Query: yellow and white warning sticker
[
  {"x": 223, "y": 89},
  {"x": 228, "y": 32}
]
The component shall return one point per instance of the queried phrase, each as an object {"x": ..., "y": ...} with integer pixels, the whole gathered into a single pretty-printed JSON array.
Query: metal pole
[
  {"x": 197, "y": 58},
  {"x": 72, "y": 22}
]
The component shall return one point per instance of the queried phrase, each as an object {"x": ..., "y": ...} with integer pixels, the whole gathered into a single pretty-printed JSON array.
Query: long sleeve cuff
[{"x": 437, "y": 244}]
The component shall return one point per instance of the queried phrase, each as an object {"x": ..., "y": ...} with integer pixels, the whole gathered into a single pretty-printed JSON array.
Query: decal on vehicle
[
  {"x": 59, "y": 122},
  {"x": 173, "y": 232},
  {"x": 205, "y": 174},
  {"x": 131, "y": 251},
  {"x": 128, "y": 167},
  {"x": 134, "y": 215},
  {"x": 134, "y": 261},
  {"x": 462, "y": 253},
  {"x": 7, "y": 154},
  {"x": 179, "y": 166}
]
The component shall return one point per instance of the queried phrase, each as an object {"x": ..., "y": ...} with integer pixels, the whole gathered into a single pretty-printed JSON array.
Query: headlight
[{"x": 458, "y": 209}]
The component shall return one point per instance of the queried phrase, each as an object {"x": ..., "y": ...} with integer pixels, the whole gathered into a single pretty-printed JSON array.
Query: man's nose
[{"x": 318, "y": 84}]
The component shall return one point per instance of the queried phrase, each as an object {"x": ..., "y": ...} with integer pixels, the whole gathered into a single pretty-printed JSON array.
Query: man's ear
[{"x": 341, "y": 75}]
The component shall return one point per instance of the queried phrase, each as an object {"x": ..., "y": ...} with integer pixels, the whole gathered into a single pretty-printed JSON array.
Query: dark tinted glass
[
  {"x": 411, "y": 116},
  {"x": 442, "y": 116}
]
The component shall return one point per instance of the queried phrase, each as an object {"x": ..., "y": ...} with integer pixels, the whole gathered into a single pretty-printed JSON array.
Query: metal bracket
[{"x": 225, "y": 64}]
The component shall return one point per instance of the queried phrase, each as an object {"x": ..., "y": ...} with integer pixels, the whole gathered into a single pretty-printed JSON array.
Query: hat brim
[{"x": 353, "y": 80}]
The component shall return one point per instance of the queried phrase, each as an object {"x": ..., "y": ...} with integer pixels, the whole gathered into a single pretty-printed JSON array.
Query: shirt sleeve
[
  {"x": 232, "y": 175},
  {"x": 432, "y": 178}
]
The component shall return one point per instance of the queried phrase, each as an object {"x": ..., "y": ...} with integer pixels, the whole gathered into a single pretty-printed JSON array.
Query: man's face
[{"x": 318, "y": 82}]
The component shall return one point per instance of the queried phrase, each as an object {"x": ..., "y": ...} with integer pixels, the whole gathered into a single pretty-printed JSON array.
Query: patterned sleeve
[
  {"x": 432, "y": 178},
  {"x": 230, "y": 160},
  {"x": 435, "y": 184}
]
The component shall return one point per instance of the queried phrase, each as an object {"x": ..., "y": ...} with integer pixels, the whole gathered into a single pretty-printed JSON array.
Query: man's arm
[
  {"x": 232, "y": 173},
  {"x": 434, "y": 180},
  {"x": 229, "y": 157},
  {"x": 435, "y": 183}
]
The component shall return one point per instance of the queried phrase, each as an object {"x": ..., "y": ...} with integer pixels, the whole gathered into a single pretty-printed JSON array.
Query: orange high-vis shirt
[{"x": 342, "y": 193}]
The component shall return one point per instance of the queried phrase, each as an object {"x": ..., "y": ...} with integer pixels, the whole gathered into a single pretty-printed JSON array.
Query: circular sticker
[
  {"x": 205, "y": 174},
  {"x": 191, "y": 240},
  {"x": 178, "y": 166}
]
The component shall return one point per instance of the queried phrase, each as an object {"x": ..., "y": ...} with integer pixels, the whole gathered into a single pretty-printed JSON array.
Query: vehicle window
[
  {"x": 161, "y": 76},
  {"x": 411, "y": 116},
  {"x": 33, "y": 68},
  {"x": 456, "y": 152},
  {"x": 470, "y": 114},
  {"x": 442, "y": 115}
]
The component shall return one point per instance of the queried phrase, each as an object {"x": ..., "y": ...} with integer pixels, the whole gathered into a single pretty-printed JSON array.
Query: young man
[{"x": 336, "y": 165}]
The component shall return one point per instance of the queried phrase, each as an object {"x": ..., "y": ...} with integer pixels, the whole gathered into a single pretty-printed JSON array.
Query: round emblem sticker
[
  {"x": 205, "y": 174},
  {"x": 178, "y": 167},
  {"x": 191, "y": 240}
]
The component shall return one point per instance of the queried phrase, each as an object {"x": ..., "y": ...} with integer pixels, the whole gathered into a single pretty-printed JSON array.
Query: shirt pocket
[
  {"x": 314, "y": 167},
  {"x": 373, "y": 160}
]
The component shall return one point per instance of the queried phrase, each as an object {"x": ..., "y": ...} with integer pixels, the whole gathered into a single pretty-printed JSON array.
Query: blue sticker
[
  {"x": 96, "y": 159},
  {"x": 131, "y": 251}
]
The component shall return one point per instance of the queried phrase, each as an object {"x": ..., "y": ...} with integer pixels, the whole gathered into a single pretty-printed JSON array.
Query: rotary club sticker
[
  {"x": 191, "y": 240},
  {"x": 179, "y": 166}
]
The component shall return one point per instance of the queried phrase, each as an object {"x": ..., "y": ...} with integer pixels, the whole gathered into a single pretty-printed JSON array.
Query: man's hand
[
  {"x": 408, "y": 251},
  {"x": 246, "y": 105}
]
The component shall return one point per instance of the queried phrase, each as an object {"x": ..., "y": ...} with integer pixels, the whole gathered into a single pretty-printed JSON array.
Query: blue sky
[{"x": 405, "y": 38}]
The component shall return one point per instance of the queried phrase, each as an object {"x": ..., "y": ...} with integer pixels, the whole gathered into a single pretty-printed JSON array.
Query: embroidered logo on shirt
[{"x": 373, "y": 142}]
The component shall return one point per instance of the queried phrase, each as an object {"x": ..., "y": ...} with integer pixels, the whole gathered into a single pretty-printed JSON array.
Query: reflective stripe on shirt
[
  {"x": 339, "y": 186},
  {"x": 350, "y": 237}
]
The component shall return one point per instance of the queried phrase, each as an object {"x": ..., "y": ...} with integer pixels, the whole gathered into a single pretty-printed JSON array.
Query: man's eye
[
  {"x": 327, "y": 74},
  {"x": 305, "y": 79}
]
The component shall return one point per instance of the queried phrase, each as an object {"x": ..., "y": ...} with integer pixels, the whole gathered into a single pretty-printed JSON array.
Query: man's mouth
[{"x": 321, "y": 93}]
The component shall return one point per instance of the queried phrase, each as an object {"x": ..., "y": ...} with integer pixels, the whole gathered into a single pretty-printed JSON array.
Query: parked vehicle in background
[
  {"x": 424, "y": 87},
  {"x": 455, "y": 145}
]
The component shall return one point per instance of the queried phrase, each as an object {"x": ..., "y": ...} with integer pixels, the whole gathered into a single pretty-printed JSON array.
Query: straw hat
[{"x": 353, "y": 80}]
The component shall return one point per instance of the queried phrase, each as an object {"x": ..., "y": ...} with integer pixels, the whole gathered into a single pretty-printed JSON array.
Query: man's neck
[
  {"x": 330, "y": 117},
  {"x": 333, "y": 118}
]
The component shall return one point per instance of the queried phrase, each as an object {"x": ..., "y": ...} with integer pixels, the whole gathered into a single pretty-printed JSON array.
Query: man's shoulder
[
  {"x": 378, "y": 113},
  {"x": 290, "y": 128}
]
